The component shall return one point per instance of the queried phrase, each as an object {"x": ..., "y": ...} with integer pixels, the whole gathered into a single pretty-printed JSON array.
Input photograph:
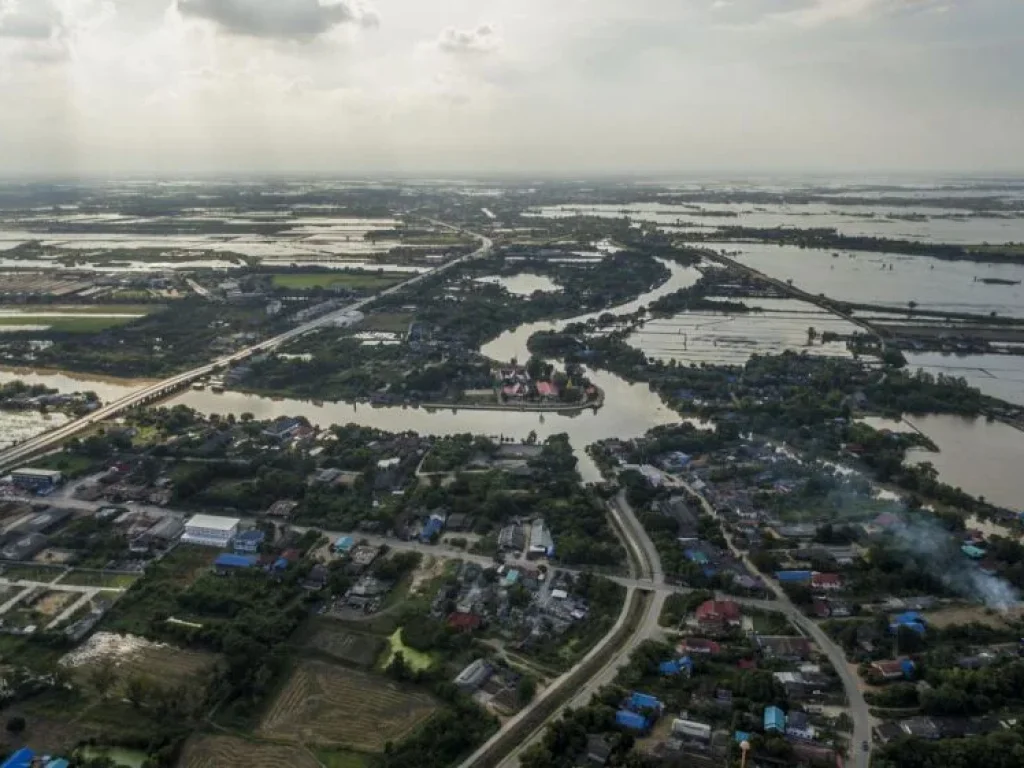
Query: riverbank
[
  {"x": 43, "y": 375},
  {"x": 588, "y": 405}
]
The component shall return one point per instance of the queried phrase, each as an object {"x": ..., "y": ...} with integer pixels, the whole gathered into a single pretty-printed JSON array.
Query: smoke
[{"x": 939, "y": 552}]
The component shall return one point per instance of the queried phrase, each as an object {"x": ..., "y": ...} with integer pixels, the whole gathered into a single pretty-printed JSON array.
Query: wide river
[{"x": 982, "y": 458}]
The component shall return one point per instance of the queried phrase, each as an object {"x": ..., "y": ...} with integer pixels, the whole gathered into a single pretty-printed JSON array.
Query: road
[
  {"x": 15, "y": 455},
  {"x": 858, "y": 707}
]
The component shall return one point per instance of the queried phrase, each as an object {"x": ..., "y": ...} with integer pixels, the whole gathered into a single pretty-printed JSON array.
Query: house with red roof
[
  {"x": 464, "y": 622},
  {"x": 547, "y": 390},
  {"x": 718, "y": 615},
  {"x": 699, "y": 645},
  {"x": 826, "y": 582}
]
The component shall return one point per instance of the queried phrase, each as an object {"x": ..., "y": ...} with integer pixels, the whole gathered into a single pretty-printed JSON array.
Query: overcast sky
[{"x": 557, "y": 86}]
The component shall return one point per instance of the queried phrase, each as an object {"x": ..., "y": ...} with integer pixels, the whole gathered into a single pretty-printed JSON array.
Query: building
[
  {"x": 344, "y": 544},
  {"x": 541, "y": 543},
  {"x": 632, "y": 721},
  {"x": 283, "y": 428},
  {"x": 699, "y": 645},
  {"x": 160, "y": 534},
  {"x": 691, "y": 729},
  {"x": 673, "y": 667},
  {"x": 317, "y": 578},
  {"x": 644, "y": 702},
  {"x": 210, "y": 530},
  {"x": 793, "y": 577},
  {"x": 718, "y": 615},
  {"x": 475, "y": 675},
  {"x": 599, "y": 751},
  {"x": 226, "y": 562},
  {"x": 774, "y": 720},
  {"x": 898, "y": 669},
  {"x": 826, "y": 582},
  {"x": 784, "y": 647},
  {"x": 23, "y": 547},
  {"x": 512, "y": 538},
  {"x": 798, "y": 727},
  {"x": 38, "y": 480},
  {"x": 248, "y": 542}
]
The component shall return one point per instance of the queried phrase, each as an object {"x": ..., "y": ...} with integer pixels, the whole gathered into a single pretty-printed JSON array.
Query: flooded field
[
  {"x": 16, "y": 426},
  {"x": 730, "y": 339},
  {"x": 889, "y": 279},
  {"x": 999, "y": 376},
  {"x": 924, "y": 223},
  {"x": 524, "y": 284}
]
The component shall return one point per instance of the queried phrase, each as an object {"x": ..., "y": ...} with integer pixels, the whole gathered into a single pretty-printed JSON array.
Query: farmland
[
  {"x": 100, "y": 579},
  {"x": 331, "y": 280},
  {"x": 327, "y": 704},
  {"x": 344, "y": 645},
  {"x": 73, "y": 324},
  {"x": 232, "y": 752}
]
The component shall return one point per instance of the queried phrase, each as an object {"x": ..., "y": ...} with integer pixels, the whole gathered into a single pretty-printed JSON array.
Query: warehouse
[
  {"x": 38, "y": 480},
  {"x": 210, "y": 530}
]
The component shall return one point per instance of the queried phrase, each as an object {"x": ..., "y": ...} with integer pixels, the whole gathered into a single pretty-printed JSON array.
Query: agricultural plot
[
  {"x": 306, "y": 281},
  {"x": 134, "y": 657},
  {"x": 327, "y": 704},
  {"x": 347, "y": 646},
  {"x": 232, "y": 752},
  {"x": 100, "y": 579}
]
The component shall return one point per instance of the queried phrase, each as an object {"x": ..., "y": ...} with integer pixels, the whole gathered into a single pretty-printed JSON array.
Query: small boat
[{"x": 199, "y": 386}]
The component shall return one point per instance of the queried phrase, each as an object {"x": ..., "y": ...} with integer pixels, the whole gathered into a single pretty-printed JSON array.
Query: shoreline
[
  {"x": 26, "y": 370},
  {"x": 594, "y": 404}
]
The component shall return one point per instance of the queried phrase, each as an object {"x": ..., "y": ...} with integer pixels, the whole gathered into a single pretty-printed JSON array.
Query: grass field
[
  {"x": 357, "y": 648},
  {"x": 327, "y": 704},
  {"x": 95, "y": 579},
  {"x": 68, "y": 324},
  {"x": 71, "y": 466},
  {"x": 232, "y": 752},
  {"x": 337, "y": 758},
  {"x": 387, "y": 322},
  {"x": 15, "y": 571},
  {"x": 355, "y": 281},
  {"x": 415, "y": 660}
]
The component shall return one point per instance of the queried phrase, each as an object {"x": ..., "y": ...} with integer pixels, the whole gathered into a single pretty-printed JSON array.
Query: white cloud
[
  {"x": 291, "y": 19},
  {"x": 28, "y": 19},
  {"x": 483, "y": 39}
]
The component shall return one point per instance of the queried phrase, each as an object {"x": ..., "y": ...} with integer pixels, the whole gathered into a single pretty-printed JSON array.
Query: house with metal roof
[
  {"x": 774, "y": 720},
  {"x": 632, "y": 721}
]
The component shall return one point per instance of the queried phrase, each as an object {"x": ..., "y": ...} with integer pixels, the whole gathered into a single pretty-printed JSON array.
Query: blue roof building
[
  {"x": 740, "y": 736},
  {"x": 774, "y": 719},
  {"x": 248, "y": 542},
  {"x": 20, "y": 759},
  {"x": 60, "y": 762},
  {"x": 696, "y": 556},
  {"x": 639, "y": 700},
  {"x": 675, "y": 666},
  {"x": 912, "y": 620},
  {"x": 793, "y": 577},
  {"x": 344, "y": 544},
  {"x": 511, "y": 577},
  {"x": 227, "y": 561},
  {"x": 908, "y": 668},
  {"x": 632, "y": 720},
  {"x": 973, "y": 552},
  {"x": 431, "y": 529}
]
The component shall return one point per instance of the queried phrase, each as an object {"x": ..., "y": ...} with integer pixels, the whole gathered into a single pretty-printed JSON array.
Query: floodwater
[
  {"x": 730, "y": 339},
  {"x": 941, "y": 225},
  {"x": 999, "y": 376},
  {"x": 512, "y": 344},
  {"x": 858, "y": 276},
  {"x": 524, "y": 284},
  {"x": 17, "y": 426},
  {"x": 981, "y": 457}
]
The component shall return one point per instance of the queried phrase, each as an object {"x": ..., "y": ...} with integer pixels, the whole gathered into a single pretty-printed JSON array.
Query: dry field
[
  {"x": 343, "y": 644},
  {"x": 137, "y": 657},
  {"x": 232, "y": 752},
  {"x": 968, "y": 614},
  {"x": 332, "y": 705}
]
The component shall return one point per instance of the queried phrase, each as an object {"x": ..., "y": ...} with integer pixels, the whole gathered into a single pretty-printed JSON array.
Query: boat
[
  {"x": 996, "y": 281},
  {"x": 198, "y": 386}
]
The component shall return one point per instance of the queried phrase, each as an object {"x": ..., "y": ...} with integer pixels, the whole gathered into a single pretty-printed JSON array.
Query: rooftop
[{"x": 215, "y": 522}]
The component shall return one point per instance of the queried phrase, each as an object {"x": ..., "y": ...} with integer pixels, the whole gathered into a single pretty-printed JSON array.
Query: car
[{"x": 865, "y": 746}]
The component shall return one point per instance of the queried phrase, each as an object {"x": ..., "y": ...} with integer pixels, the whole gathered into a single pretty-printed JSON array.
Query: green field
[
  {"x": 71, "y": 465},
  {"x": 415, "y": 660},
  {"x": 96, "y": 579},
  {"x": 388, "y": 322},
  {"x": 333, "y": 758},
  {"x": 355, "y": 281},
  {"x": 82, "y": 324},
  {"x": 16, "y": 571}
]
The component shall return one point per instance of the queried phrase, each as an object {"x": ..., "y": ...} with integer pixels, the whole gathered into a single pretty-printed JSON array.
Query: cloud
[
  {"x": 28, "y": 20},
  {"x": 288, "y": 19},
  {"x": 825, "y": 11},
  {"x": 483, "y": 39}
]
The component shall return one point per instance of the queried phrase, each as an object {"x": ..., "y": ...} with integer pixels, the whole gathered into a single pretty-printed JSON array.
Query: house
[
  {"x": 793, "y": 577},
  {"x": 632, "y": 721},
  {"x": 343, "y": 544},
  {"x": 226, "y": 563},
  {"x": 210, "y": 530},
  {"x": 473, "y": 676},
  {"x": 458, "y": 522},
  {"x": 798, "y": 727},
  {"x": 886, "y": 732},
  {"x": 921, "y": 728},
  {"x": 897, "y": 669},
  {"x": 282, "y": 508},
  {"x": 24, "y": 547},
  {"x": 431, "y": 529},
  {"x": 774, "y": 720},
  {"x": 317, "y": 578},
  {"x": 911, "y": 620},
  {"x": 826, "y": 582},
  {"x": 644, "y": 702},
  {"x": 464, "y": 622},
  {"x": 973, "y": 552},
  {"x": 547, "y": 390},
  {"x": 598, "y": 751},
  {"x": 718, "y": 615},
  {"x": 699, "y": 645},
  {"x": 691, "y": 729},
  {"x": 512, "y": 538},
  {"x": 674, "y": 667},
  {"x": 248, "y": 542},
  {"x": 541, "y": 543},
  {"x": 786, "y": 648},
  {"x": 283, "y": 428}
]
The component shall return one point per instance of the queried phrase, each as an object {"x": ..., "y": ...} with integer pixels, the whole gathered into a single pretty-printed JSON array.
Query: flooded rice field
[
  {"x": 730, "y": 339},
  {"x": 524, "y": 284}
]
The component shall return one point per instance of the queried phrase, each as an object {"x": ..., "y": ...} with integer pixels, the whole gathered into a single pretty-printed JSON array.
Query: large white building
[{"x": 210, "y": 530}]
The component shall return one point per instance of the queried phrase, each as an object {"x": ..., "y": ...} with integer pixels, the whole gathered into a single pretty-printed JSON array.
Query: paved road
[
  {"x": 858, "y": 707},
  {"x": 15, "y": 455}
]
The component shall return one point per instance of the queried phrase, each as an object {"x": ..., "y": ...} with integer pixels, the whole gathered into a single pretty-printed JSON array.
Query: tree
[
  {"x": 102, "y": 677},
  {"x": 16, "y": 724}
]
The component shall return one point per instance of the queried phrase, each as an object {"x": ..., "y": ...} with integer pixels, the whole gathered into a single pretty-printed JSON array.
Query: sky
[{"x": 560, "y": 87}]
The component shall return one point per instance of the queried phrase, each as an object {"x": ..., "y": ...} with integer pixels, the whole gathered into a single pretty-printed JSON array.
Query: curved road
[{"x": 16, "y": 454}]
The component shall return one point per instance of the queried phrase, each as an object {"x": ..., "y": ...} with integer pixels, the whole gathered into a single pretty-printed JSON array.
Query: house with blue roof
[
  {"x": 674, "y": 667},
  {"x": 973, "y": 552},
  {"x": 344, "y": 544},
  {"x": 20, "y": 759},
  {"x": 248, "y": 542},
  {"x": 432, "y": 528},
  {"x": 227, "y": 562},
  {"x": 632, "y": 721},
  {"x": 774, "y": 720},
  {"x": 644, "y": 701},
  {"x": 911, "y": 620}
]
